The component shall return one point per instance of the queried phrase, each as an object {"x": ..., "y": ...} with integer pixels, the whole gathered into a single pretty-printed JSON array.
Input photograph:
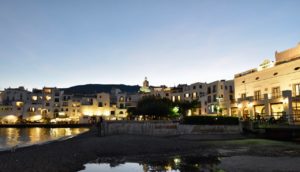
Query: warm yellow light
[
  {"x": 240, "y": 106},
  {"x": 250, "y": 104},
  {"x": 10, "y": 119},
  {"x": 48, "y": 98},
  {"x": 177, "y": 161},
  {"x": 35, "y": 118},
  {"x": 47, "y": 91},
  {"x": 189, "y": 112},
  {"x": 19, "y": 104},
  {"x": 194, "y": 94},
  {"x": 32, "y": 109},
  {"x": 285, "y": 101},
  {"x": 34, "y": 98},
  {"x": 61, "y": 114},
  {"x": 106, "y": 113},
  {"x": 87, "y": 113}
]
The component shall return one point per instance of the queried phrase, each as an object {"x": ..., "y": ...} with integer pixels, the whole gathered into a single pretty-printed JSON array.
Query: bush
[{"x": 210, "y": 120}]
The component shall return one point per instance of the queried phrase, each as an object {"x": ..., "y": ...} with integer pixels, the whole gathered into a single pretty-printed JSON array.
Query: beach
[{"x": 70, "y": 155}]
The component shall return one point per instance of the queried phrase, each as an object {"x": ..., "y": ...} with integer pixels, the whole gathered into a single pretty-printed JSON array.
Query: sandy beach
[{"x": 71, "y": 155}]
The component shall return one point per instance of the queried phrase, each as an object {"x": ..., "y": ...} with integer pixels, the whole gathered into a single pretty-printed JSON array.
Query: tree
[
  {"x": 186, "y": 105},
  {"x": 153, "y": 107}
]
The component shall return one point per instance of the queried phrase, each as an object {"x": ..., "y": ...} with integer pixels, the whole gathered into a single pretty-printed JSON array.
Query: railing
[
  {"x": 258, "y": 98},
  {"x": 276, "y": 96}
]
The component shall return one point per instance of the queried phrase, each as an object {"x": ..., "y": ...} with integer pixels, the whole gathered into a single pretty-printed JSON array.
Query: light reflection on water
[
  {"x": 167, "y": 164},
  {"x": 10, "y": 137}
]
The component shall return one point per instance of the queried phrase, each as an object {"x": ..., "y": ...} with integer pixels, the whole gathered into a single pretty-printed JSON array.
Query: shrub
[{"x": 210, "y": 120}]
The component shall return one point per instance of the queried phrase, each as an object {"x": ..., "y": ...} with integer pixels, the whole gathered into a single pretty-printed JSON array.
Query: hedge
[{"x": 210, "y": 120}]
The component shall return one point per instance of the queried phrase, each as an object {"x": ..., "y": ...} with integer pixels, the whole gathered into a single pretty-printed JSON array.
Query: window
[
  {"x": 214, "y": 88},
  {"x": 56, "y": 100},
  {"x": 231, "y": 97},
  {"x": 194, "y": 94},
  {"x": 201, "y": 94},
  {"x": 173, "y": 98},
  {"x": 276, "y": 92},
  {"x": 178, "y": 98},
  {"x": 215, "y": 98},
  {"x": 187, "y": 95},
  {"x": 208, "y": 99},
  {"x": 243, "y": 96},
  {"x": 100, "y": 104},
  {"x": 297, "y": 68},
  {"x": 121, "y": 105},
  {"x": 275, "y": 74},
  {"x": 230, "y": 89},
  {"x": 257, "y": 78},
  {"x": 208, "y": 90},
  {"x": 297, "y": 90},
  {"x": 200, "y": 86},
  {"x": 194, "y": 87},
  {"x": 221, "y": 87},
  {"x": 257, "y": 95}
]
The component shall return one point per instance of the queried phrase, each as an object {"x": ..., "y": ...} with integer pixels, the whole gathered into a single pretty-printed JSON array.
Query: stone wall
[{"x": 161, "y": 128}]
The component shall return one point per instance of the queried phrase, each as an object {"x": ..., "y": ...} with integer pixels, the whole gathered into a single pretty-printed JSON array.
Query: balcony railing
[
  {"x": 258, "y": 98},
  {"x": 276, "y": 96}
]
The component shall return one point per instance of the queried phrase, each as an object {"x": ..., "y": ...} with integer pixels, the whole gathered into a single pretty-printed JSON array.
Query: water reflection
[
  {"x": 169, "y": 164},
  {"x": 10, "y": 137}
]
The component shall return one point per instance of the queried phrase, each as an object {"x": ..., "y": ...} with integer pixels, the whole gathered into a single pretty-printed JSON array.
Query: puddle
[{"x": 162, "y": 164}]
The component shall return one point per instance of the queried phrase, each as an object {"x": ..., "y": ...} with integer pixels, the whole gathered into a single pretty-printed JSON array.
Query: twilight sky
[{"x": 69, "y": 42}]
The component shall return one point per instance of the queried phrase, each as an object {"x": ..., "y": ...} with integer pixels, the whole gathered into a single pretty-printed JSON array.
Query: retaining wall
[{"x": 161, "y": 128}]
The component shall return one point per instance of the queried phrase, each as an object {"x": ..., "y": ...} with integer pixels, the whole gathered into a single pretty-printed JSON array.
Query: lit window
[
  {"x": 48, "y": 98},
  {"x": 178, "y": 97},
  {"x": 34, "y": 98},
  {"x": 194, "y": 94},
  {"x": 297, "y": 89}
]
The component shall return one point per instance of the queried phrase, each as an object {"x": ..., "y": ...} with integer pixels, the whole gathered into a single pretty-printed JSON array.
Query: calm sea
[{"x": 10, "y": 137}]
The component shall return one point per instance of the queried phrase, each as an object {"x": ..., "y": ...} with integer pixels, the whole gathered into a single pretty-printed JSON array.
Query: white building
[{"x": 272, "y": 89}]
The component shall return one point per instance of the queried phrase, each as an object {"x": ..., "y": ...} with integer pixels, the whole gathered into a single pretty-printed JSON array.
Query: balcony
[
  {"x": 275, "y": 96},
  {"x": 258, "y": 98}
]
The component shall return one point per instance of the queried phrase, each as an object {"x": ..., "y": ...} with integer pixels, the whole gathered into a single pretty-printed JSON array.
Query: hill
[{"x": 98, "y": 88}]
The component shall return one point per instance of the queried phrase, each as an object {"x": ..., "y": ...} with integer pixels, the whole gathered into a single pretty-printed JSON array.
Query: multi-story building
[
  {"x": 272, "y": 89},
  {"x": 51, "y": 104},
  {"x": 219, "y": 96},
  {"x": 214, "y": 98}
]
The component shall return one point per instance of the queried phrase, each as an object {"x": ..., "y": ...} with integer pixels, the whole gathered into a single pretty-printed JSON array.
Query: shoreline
[
  {"x": 71, "y": 154},
  {"x": 46, "y": 125},
  {"x": 63, "y": 138}
]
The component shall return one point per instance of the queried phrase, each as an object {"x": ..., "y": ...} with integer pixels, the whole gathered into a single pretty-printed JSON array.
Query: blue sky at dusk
[{"x": 70, "y": 42}]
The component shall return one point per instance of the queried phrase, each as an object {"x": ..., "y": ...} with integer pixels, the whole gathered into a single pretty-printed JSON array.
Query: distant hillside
[{"x": 98, "y": 88}]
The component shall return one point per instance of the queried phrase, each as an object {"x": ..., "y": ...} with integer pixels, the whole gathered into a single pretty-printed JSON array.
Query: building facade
[
  {"x": 51, "y": 104},
  {"x": 271, "y": 90}
]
